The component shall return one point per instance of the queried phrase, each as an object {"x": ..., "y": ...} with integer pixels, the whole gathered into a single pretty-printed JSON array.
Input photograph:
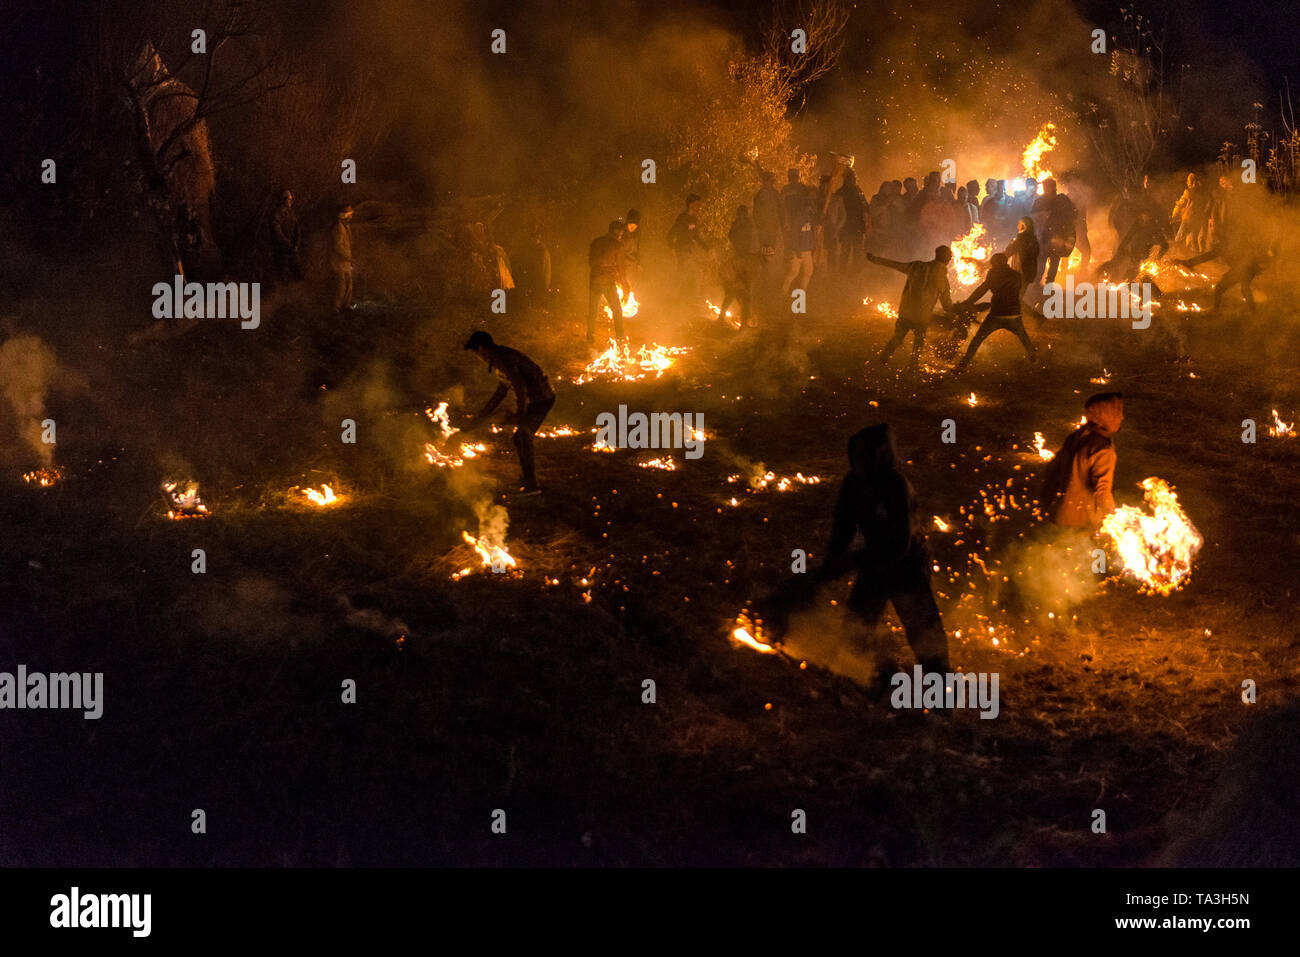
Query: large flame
[
  {"x": 1155, "y": 547},
  {"x": 1032, "y": 158},
  {"x": 969, "y": 253},
  {"x": 618, "y": 362},
  {"x": 627, "y": 301}
]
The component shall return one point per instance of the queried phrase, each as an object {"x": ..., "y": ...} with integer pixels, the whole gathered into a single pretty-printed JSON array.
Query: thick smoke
[{"x": 27, "y": 372}]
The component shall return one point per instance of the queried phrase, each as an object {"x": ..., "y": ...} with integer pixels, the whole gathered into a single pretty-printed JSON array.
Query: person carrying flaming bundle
[
  {"x": 1003, "y": 283},
  {"x": 1078, "y": 484},
  {"x": 608, "y": 272}
]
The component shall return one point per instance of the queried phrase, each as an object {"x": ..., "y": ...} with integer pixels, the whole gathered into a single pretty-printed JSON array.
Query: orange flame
[{"x": 1155, "y": 547}]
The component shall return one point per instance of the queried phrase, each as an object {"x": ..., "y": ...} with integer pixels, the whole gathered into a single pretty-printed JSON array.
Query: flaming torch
[
  {"x": 1032, "y": 158},
  {"x": 1155, "y": 547},
  {"x": 967, "y": 255}
]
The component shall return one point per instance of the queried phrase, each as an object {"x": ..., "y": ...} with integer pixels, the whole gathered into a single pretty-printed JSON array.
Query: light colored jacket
[{"x": 1079, "y": 484}]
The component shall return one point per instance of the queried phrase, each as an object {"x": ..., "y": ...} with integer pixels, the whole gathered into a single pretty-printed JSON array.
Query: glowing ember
[
  {"x": 1032, "y": 158},
  {"x": 968, "y": 253},
  {"x": 972, "y": 401},
  {"x": 1280, "y": 429},
  {"x": 1112, "y": 292},
  {"x": 941, "y": 525},
  {"x": 668, "y": 465},
  {"x": 43, "y": 478},
  {"x": 745, "y": 631},
  {"x": 323, "y": 498},
  {"x": 184, "y": 499},
  {"x": 884, "y": 308},
  {"x": 1101, "y": 379},
  {"x": 628, "y": 303},
  {"x": 1155, "y": 547},
  {"x": 1040, "y": 447},
  {"x": 618, "y": 363},
  {"x": 1186, "y": 307},
  {"x": 559, "y": 432},
  {"x": 760, "y": 480}
]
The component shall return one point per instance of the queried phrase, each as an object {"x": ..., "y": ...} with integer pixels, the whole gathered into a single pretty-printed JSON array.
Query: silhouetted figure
[
  {"x": 685, "y": 239},
  {"x": 286, "y": 239},
  {"x": 927, "y": 282},
  {"x": 1060, "y": 223},
  {"x": 340, "y": 258},
  {"x": 741, "y": 268},
  {"x": 769, "y": 222},
  {"x": 608, "y": 266},
  {"x": 632, "y": 249},
  {"x": 534, "y": 398},
  {"x": 798, "y": 201},
  {"x": 853, "y": 232},
  {"x": 1003, "y": 283},
  {"x": 893, "y": 566},
  {"x": 1024, "y": 250}
]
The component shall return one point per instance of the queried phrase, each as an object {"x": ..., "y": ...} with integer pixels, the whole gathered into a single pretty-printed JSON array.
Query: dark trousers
[
  {"x": 1013, "y": 324},
  {"x": 1239, "y": 271},
  {"x": 916, "y": 608},
  {"x": 287, "y": 265},
  {"x": 524, "y": 431},
  {"x": 901, "y": 328},
  {"x": 606, "y": 288}
]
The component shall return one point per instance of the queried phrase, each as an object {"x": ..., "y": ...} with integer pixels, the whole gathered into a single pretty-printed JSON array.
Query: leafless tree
[
  {"x": 1138, "y": 106},
  {"x": 823, "y": 23},
  {"x": 172, "y": 88}
]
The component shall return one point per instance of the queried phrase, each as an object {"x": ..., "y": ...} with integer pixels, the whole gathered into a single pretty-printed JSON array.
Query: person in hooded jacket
[
  {"x": 1025, "y": 250},
  {"x": 893, "y": 566},
  {"x": 1078, "y": 485},
  {"x": 1002, "y": 283}
]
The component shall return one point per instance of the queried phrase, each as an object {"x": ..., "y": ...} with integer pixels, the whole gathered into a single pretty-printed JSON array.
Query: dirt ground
[{"x": 523, "y": 691}]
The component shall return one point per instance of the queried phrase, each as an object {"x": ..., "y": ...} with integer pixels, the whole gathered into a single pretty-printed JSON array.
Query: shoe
[{"x": 526, "y": 491}]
